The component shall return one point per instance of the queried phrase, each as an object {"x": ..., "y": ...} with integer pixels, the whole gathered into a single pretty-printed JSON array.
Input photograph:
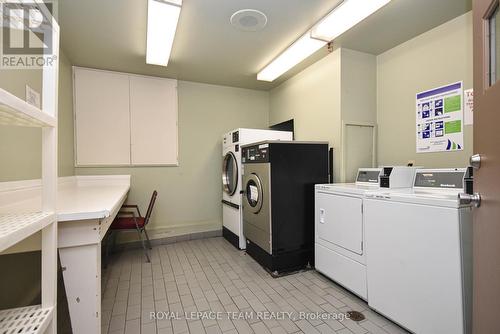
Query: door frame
[{"x": 346, "y": 124}]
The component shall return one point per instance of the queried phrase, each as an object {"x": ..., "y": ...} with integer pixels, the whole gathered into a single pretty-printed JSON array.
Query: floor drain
[{"x": 355, "y": 315}]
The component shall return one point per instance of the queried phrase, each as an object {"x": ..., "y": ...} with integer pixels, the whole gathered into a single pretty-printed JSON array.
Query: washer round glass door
[
  {"x": 230, "y": 174},
  {"x": 253, "y": 193}
]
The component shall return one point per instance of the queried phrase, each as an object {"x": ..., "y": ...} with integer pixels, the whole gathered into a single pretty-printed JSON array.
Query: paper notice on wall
[
  {"x": 254, "y": 194},
  {"x": 469, "y": 106},
  {"x": 33, "y": 97},
  {"x": 439, "y": 121}
]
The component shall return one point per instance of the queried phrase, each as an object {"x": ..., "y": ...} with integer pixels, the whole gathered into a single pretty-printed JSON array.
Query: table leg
[{"x": 82, "y": 279}]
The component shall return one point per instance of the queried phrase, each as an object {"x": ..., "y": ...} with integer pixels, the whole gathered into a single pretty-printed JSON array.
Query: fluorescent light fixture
[
  {"x": 344, "y": 17},
  {"x": 338, "y": 21},
  {"x": 162, "y": 24},
  {"x": 298, "y": 51}
]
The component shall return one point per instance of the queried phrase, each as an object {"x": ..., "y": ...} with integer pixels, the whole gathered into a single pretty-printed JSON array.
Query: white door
[{"x": 340, "y": 220}]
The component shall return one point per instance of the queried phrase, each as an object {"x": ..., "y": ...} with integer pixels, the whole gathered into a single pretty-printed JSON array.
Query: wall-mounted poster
[
  {"x": 440, "y": 119},
  {"x": 469, "y": 106}
]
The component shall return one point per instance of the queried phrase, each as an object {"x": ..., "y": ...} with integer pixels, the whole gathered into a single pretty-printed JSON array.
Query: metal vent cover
[{"x": 248, "y": 20}]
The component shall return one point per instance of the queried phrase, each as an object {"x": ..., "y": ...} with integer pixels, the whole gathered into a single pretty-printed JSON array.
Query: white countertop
[
  {"x": 88, "y": 201},
  {"x": 79, "y": 197}
]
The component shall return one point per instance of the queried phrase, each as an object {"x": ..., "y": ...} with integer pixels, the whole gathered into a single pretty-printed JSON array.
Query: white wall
[{"x": 440, "y": 56}]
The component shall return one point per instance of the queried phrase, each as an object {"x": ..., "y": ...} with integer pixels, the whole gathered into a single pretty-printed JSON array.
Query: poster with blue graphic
[{"x": 440, "y": 119}]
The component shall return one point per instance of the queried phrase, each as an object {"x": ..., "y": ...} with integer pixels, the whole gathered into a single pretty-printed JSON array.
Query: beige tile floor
[{"x": 198, "y": 284}]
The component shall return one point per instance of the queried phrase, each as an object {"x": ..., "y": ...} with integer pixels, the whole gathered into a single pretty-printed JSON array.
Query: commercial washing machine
[
  {"x": 232, "y": 226},
  {"x": 278, "y": 201}
]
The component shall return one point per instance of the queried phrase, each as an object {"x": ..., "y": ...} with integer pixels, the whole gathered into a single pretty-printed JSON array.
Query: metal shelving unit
[{"x": 17, "y": 226}]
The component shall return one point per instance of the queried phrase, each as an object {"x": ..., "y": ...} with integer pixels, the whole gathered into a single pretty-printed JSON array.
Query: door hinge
[
  {"x": 362, "y": 209},
  {"x": 361, "y": 246}
]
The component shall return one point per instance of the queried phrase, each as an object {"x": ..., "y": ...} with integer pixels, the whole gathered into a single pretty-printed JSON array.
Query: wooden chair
[{"x": 129, "y": 219}]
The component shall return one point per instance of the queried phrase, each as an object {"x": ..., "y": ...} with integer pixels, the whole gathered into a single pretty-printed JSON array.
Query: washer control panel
[
  {"x": 236, "y": 136},
  {"x": 254, "y": 154}
]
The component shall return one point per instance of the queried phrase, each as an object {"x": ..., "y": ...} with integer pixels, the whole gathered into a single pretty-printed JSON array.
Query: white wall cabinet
[
  {"x": 123, "y": 119},
  {"x": 102, "y": 118},
  {"x": 153, "y": 121}
]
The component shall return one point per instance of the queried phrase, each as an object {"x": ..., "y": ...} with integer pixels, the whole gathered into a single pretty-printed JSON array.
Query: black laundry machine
[{"x": 278, "y": 201}]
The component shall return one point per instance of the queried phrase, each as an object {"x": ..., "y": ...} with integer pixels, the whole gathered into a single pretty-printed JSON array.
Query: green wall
[
  {"x": 358, "y": 87},
  {"x": 65, "y": 130},
  {"x": 20, "y": 148},
  {"x": 14, "y": 140},
  {"x": 312, "y": 99},
  {"x": 350, "y": 86},
  {"x": 339, "y": 88},
  {"x": 440, "y": 56},
  {"x": 189, "y": 196}
]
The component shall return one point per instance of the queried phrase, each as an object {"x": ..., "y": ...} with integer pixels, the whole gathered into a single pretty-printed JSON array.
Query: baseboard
[
  {"x": 170, "y": 240},
  {"x": 160, "y": 231},
  {"x": 231, "y": 237}
]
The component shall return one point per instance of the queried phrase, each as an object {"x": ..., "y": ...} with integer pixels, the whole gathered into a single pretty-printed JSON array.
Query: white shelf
[
  {"x": 19, "y": 226},
  {"x": 25, "y": 320},
  {"x": 15, "y": 111}
]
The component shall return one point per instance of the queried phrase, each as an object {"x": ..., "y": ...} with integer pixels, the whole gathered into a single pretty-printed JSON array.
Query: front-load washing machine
[
  {"x": 418, "y": 247},
  {"x": 232, "y": 227},
  {"x": 339, "y": 230},
  {"x": 278, "y": 201}
]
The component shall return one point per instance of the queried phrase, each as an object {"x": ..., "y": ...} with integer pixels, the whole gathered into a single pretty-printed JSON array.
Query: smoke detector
[{"x": 248, "y": 20}]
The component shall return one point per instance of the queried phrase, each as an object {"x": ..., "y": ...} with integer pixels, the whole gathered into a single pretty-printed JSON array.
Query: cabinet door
[
  {"x": 153, "y": 113},
  {"x": 102, "y": 118}
]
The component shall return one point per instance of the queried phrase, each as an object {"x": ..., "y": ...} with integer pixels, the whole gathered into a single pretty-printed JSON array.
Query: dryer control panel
[
  {"x": 449, "y": 178},
  {"x": 396, "y": 177},
  {"x": 368, "y": 175},
  {"x": 255, "y": 154}
]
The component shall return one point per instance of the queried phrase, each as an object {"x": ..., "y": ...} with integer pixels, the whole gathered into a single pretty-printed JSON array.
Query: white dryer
[
  {"x": 418, "y": 244},
  {"x": 339, "y": 225},
  {"x": 232, "y": 225}
]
